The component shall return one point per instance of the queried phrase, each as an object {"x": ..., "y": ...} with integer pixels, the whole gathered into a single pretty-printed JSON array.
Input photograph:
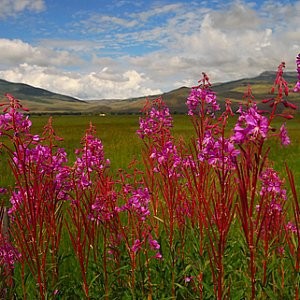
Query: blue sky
[{"x": 95, "y": 49}]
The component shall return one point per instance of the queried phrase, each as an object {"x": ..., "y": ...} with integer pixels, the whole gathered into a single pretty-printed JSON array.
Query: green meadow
[{"x": 122, "y": 145}]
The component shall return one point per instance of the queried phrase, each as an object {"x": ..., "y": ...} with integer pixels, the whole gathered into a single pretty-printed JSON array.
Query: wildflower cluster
[
  {"x": 202, "y": 100},
  {"x": 251, "y": 125},
  {"x": 89, "y": 159},
  {"x": 157, "y": 120},
  {"x": 9, "y": 255},
  {"x": 272, "y": 185},
  {"x": 220, "y": 152},
  {"x": 139, "y": 203},
  {"x": 167, "y": 157},
  {"x": 12, "y": 120}
]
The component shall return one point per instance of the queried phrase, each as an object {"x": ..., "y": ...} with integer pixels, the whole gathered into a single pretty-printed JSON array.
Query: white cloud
[
  {"x": 85, "y": 86},
  {"x": 228, "y": 43},
  {"x": 13, "y": 7},
  {"x": 14, "y": 52}
]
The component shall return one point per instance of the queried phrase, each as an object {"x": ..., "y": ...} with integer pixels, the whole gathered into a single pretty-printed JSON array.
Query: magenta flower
[
  {"x": 296, "y": 89},
  {"x": 291, "y": 227},
  {"x": 157, "y": 120},
  {"x": 202, "y": 98},
  {"x": 154, "y": 245},
  {"x": 188, "y": 279},
  {"x": 272, "y": 185},
  {"x": 158, "y": 255},
  {"x": 285, "y": 140},
  {"x": 103, "y": 209},
  {"x": 167, "y": 157},
  {"x": 138, "y": 203},
  {"x": 90, "y": 159},
  {"x": 137, "y": 245},
  {"x": 46, "y": 163},
  {"x": 250, "y": 126},
  {"x": 8, "y": 254},
  {"x": 16, "y": 200},
  {"x": 217, "y": 152}
]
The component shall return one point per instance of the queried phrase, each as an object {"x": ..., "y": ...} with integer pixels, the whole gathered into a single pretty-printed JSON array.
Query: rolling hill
[{"x": 43, "y": 101}]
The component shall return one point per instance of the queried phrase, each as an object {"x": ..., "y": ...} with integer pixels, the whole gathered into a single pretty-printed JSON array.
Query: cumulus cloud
[
  {"x": 84, "y": 86},
  {"x": 13, "y": 7},
  {"x": 14, "y": 52},
  {"x": 174, "y": 44}
]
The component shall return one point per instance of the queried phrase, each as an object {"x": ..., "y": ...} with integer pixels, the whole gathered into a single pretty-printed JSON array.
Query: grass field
[{"x": 121, "y": 144}]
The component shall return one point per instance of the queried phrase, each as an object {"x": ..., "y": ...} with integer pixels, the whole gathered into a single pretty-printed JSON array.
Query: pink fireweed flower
[
  {"x": 202, "y": 98},
  {"x": 90, "y": 159},
  {"x": 8, "y": 254},
  {"x": 15, "y": 121},
  {"x": 46, "y": 163},
  {"x": 291, "y": 227},
  {"x": 157, "y": 119},
  {"x": 138, "y": 203},
  {"x": 12, "y": 119},
  {"x": 158, "y": 255},
  {"x": 137, "y": 245},
  {"x": 250, "y": 126},
  {"x": 104, "y": 209},
  {"x": 218, "y": 152},
  {"x": 284, "y": 138},
  {"x": 188, "y": 279},
  {"x": 154, "y": 245},
  {"x": 3, "y": 190},
  {"x": 16, "y": 200},
  {"x": 296, "y": 89},
  {"x": 272, "y": 185},
  {"x": 167, "y": 157}
]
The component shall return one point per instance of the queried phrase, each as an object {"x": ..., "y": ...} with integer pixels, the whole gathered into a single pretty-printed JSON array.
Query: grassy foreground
[{"x": 122, "y": 145}]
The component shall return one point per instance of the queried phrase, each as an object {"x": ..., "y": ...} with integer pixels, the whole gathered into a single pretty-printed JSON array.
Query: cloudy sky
[{"x": 95, "y": 49}]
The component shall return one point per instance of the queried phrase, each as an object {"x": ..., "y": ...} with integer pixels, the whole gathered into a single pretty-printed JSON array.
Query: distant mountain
[
  {"x": 43, "y": 101},
  {"x": 30, "y": 93},
  {"x": 234, "y": 90}
]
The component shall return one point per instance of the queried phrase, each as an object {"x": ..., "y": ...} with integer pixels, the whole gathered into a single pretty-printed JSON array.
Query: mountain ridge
[{"x": 40, "y": 100}]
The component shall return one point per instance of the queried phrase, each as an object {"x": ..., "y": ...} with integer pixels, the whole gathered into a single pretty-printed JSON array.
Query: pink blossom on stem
[
  {"x": 250, "y": 126},
  {"x": 137, "y": 245},
  {"x": 157, "y": 120},
  {"x": 296, "y": 89},
  {"x": 154, "y": 245},
  {"x": 290, "y": 226},
  {"x": 90, "y": 159},
  {"x": 199, "y": 96},
  {"x": 167, "y": 157},
  {"x": 218, "y": 152},
  {"x": 272, "y": 185},
  {"x": 139, "y": 203},
  {"x": 8, "y": 254},
  {"x": 284, "y": 138}
]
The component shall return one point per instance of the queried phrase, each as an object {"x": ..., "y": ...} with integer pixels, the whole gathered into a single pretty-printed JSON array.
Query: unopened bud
[
  {"x": 272, "y": 90},
  {"x": 267, "y": 100},
  {"x": 291, "y": 105},
  {"x": 286, "y": 90}
]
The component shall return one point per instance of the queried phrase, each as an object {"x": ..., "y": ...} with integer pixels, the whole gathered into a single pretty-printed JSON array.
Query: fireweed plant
[{"x": 206, "y": 218}]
